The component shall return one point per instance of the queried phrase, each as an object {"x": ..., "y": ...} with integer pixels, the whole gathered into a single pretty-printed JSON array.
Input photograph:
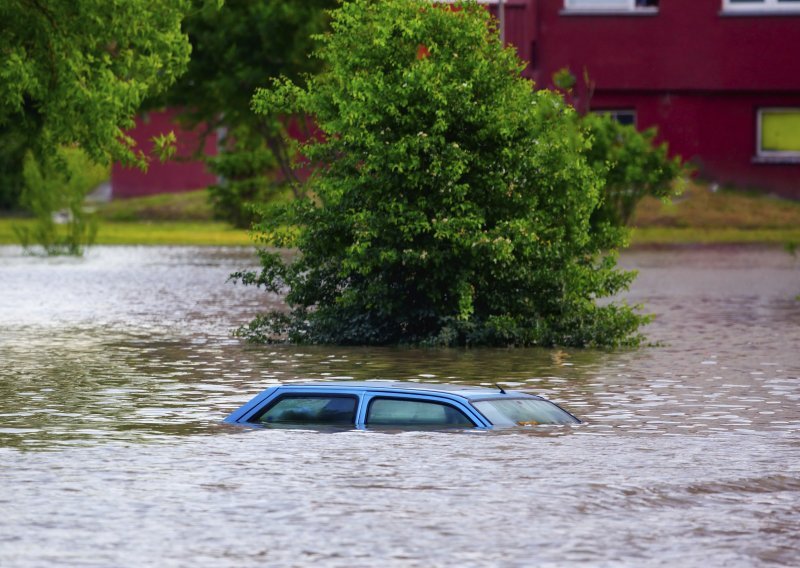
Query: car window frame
[
  {"x": 464, "y": 409},
  {"x": 253, "y": 417}
]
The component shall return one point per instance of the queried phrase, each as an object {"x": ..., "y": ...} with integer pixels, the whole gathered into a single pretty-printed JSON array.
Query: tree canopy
[
  {"x": 451, "y": 201},
  {"x": 74, "y": 72},
  {"x": 236, "y": 49}
]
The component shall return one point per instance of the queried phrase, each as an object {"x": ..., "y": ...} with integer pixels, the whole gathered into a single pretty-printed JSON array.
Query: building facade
[
  {"x": 182, "y": 173},
  {"x": 720, "y": 79}
]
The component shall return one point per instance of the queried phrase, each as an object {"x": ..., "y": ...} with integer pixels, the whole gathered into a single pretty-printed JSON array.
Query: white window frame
[
  {"x": 630, "y": 6},
  {"x": 770, "y": 6},
  {"x": 774, "y": 155}
]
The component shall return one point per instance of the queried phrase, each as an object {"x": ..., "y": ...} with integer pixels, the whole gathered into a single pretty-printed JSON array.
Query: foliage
[
  {"x": 451, "y": 200},
  {"x": 58, "y": 188},
  {"x": 13, "y": 145},
  {"x": 631, "y": 162},
  {"x": 75, "y": 72},
  {"x": 165, "y": 145},
  {"x": 234, "y": 50},
  {"x": 564, "y": 79},
  {"x": 245, "y": 173},
  {"x": 633, "y": 166}
]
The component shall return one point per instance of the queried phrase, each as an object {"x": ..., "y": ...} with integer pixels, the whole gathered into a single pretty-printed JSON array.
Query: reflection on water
[{"x": 116, "y": 369}]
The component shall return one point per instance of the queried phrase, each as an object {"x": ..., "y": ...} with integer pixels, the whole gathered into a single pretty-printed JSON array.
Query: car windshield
[{"x": 523, "y": 412}]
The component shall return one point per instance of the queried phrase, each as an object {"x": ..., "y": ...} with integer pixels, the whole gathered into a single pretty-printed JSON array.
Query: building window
[
  {"x": 623, "y": 116},
  {"x": 611, "y": 5},
  {"x": 761, "y": 5},
  {"x": 779, "y": 134}
]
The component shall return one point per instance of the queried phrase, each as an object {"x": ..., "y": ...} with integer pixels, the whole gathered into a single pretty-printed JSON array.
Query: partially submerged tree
[
  {"x": 452, "y": 201},
  {"x": 76, "y": 72}
]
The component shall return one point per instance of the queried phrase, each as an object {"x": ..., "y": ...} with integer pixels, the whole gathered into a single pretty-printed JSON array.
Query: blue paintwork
[{"x": 459, "y": 396}]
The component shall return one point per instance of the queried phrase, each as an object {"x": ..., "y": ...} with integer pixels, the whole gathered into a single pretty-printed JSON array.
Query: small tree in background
[
  {"x": 632, "y": 164},
  {"x": 452, "y": 201},
  {"x": 58, "y": 187}
]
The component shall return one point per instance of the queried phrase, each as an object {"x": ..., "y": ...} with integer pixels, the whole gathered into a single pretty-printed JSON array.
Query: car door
[
  {"x": 387, "y": 410},
  {"x": 304, "y": 407}
]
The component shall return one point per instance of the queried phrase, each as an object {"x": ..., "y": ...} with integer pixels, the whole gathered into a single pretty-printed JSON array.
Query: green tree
[
  {"x": 76, "y": 71},
  {"x": 59, "y": 187},
  {"x": 631, "y": 162},
  {"x": 234, "y": 50},
  {"x": 14, "y": 142},
  {"x": 633, "y": 166},
  {"x": 451, "y": 200}
]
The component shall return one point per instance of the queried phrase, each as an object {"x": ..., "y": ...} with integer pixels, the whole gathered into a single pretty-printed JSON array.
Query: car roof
[{"x": 470, "y": 392}]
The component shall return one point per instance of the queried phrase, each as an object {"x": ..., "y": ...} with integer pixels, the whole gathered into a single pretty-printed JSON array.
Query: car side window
[
  {"x": 409, "y": 412},
  {"x": 310, "y": 409}
]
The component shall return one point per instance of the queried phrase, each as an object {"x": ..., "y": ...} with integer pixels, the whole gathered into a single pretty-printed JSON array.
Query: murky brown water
[{"x": 115, "y": 371}]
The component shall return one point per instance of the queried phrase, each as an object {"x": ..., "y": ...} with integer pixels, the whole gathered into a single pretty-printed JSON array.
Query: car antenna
[{"x": 499, "y": 387}]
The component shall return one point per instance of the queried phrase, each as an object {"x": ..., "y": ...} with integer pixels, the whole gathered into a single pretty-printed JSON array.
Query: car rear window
[
  {"x": 310, "y": 409},
  {"x": 523, "y": 412},
  {"x": 407, "y": 412}
]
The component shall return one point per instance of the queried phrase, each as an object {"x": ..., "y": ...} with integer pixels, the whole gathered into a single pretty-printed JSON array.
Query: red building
[
  {"x": 182, "y": 173},
  {"x": 719, "y": 78}
]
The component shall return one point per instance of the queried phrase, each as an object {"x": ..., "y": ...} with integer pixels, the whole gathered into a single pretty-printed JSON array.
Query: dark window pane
[
  {"x": 623, "y": 116},
  {"x": 311, "y": 410},
  {"x": 395, "y": 412}
]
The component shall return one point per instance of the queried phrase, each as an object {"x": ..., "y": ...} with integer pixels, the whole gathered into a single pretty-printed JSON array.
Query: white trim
[
  {"x": 776, "y": 155},
  {"x": 491, "y": 2},
  {"x": 780, "y": 6},
  {"x": 579, "y": 6}
]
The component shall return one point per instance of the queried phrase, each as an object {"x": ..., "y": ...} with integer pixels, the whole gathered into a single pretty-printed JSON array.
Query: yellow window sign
[{"x": 780, "y": 130}]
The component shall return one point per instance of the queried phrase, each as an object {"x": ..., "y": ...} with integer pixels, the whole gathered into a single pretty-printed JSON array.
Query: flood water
[{"x": 116, "y": 370}]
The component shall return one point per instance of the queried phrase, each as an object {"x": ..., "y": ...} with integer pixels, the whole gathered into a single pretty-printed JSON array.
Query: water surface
[{"x": 116, "y": 369}]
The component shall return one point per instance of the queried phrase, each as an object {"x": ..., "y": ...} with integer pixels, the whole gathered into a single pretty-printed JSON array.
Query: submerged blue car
[{"x": 386, "y": 404}]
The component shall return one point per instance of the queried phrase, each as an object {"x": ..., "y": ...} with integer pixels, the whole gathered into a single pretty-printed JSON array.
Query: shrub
[
  {"x": 632, "y": 164},
  {"x": 452, "y": 201},
  {"x": 58, "y": 188}
]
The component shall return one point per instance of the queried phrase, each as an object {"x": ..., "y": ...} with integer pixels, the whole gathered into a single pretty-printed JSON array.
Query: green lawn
[
  {"x": 704, "y": 216},
  {"x": 172, "y": 233},
  {"x": 646, "y": 236},
  {"x": 210, "y": 233},
  {"x": 184, "y": 206},
  {"x": 698, "y": 216}
]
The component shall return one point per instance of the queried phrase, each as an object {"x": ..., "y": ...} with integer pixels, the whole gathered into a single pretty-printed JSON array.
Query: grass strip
[
  {"x": 644, "y": 236},
  {"x": 150, "y": 233}
]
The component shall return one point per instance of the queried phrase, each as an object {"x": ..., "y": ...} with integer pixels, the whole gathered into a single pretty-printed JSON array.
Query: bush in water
[{"x": 451, "y": 201}]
